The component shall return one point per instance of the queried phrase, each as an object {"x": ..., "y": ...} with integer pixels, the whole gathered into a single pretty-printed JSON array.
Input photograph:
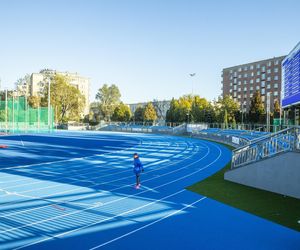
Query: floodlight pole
[
  {"x": 49, "y": 114},
  {"x": 6, "y": 112}
]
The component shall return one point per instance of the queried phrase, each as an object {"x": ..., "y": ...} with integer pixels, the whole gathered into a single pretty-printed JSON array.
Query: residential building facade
[
  {"x": 242, "y": 81},
  {"x": 38, "y": 81},
  {"x": 161, "y": 108}
]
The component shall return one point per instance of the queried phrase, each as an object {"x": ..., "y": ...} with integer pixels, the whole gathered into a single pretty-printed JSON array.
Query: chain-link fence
[{"x": 16, "y": 116}]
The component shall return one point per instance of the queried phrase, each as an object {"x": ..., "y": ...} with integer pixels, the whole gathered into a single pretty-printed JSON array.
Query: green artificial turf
[{"x": 274, "y": 207}]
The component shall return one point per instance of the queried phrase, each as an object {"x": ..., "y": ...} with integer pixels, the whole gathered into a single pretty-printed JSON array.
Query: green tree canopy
[
  {"x": 171, "y": 115},
  {"x": 66, "y": 100},
  {"x": 34, "y": 101},
  {"x": 199, "y": 109},
  {"x": 276, "y": 109},
  {"x": 121, "y": 113},
  {"x": 230, "y": 106},
  {"x": 139, "y": 114},
  {"x": 257, "y": 109},
  {"x": 150, "y": 113},
  {"x": 109, "y": 99}
]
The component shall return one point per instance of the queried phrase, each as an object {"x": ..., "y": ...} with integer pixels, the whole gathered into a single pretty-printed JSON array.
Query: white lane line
[
  {"x": 110, "y": 202},
  {"x": 84, "y": 170},
  {"x": 149, "y": 224},
  {"x": 103, "y": 220},
  {"x": 73, "y": 159},
  {"x": 108, "y": 191},
  {"x": 78, "y": 181}
]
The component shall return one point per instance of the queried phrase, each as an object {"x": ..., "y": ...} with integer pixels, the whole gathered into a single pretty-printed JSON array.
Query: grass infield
[{"x": 278, "y": 208}]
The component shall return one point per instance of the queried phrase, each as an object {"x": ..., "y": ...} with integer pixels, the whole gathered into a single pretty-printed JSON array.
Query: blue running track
[{"x": 76, "y": 191}]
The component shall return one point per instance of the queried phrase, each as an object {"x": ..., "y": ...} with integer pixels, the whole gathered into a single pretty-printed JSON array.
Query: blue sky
[{"x": 146, "y": 47}]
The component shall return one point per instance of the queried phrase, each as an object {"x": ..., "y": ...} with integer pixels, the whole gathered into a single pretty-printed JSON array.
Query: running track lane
[{"x": 98, "y": 208}]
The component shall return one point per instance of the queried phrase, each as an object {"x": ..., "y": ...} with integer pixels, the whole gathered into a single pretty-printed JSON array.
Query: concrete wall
[{"x": 280, "y": 174}]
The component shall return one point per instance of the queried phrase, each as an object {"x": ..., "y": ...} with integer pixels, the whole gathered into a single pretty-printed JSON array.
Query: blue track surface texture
[{"x": 76, "y": 191}]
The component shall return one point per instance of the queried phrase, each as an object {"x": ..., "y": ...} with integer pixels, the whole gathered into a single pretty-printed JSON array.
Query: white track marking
[{"x": 149, "y": 224}]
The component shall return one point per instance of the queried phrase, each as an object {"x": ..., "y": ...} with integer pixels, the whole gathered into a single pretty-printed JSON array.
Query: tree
[
  {"x": 230, "y": 106},
  {"x": 276, "y": 109},
  {"x": 139, "y": 114},
  {"x": 257, "y": 109},
  {"x": 225, "y": 119},
  {"x": 150, "y": 113},
  {"x": 34, "y": 101},
  {"x": 185, "y": 107},
  {"x": 171, "y": 115},
  {"x": 66, "y": 100},
  {"x": 199, "y": 109},
  {"x": 109, "y": 98},
  {"x": 121, "y": 113},
  {"x": 22, "y": 85}
]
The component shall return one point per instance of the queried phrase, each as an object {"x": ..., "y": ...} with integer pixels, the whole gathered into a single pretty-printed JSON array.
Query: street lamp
[{"x": 49, "y": 109}]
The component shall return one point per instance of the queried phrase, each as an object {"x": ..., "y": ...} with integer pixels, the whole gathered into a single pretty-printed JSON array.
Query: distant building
[
  {"x": 38, "y": 81},
  {"x": 161, "y": 108},
  {"x": 242, "y": 81}
]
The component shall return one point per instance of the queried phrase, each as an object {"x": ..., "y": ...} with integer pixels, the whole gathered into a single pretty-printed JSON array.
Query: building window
[
  {"x": 239, "y": 82},
  {"x": 230, "y": 84},
  {"x": 257, "y": 80},
  {"x": 269, "y": 71},
  {"x": 269, "y": 78},
  {"x": 234, "y": 80},
  {"x": 240, "y": 76},
  {"x": 276, "y": 62},
  {"x": 257, "y": 66},
  {"x": 263, "y": 76},
  {"x": 245, "y": 82},
  {"x": 251, "y": 95},
  {"x": 276, "y": 70},
  {"x": 239, "y": 89},
  {"x": 275, "y": 77},
  {"x": 257, "y": 87},
  {"x": 230, "y": 91},
  {"x": 251, "y": 67},
  {"x": 251, "y": 88},
  {"x": 234, "y": 74},
  {"x": 269, "y": 64},
  {"x": 263, "y": 99},
  {"x": 276, "y": 85},
  {"x": 230, "y": 71},
  {"x": 234, "y": 87},
  {"x": 275, "y": 93},
  {"x": 240, "y": 69},
  {"x": 251, "y": 81},
  {"x": 245, "y": 68},
  {"x": 268, "y": 86},
  {"x": 245, "y": 88},
  {"x": 262, "y": 91},
  {"x": 234, "y": 94},
  {"x": 262, "y": 84},
  {"x": 263, "y": 68},
  {"x": 245, "y": 75}
]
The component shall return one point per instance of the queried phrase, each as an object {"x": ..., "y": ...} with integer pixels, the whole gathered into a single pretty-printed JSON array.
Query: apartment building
[
  {"x": 242, "y": 81},
  {"x": 38, "y": 81}
]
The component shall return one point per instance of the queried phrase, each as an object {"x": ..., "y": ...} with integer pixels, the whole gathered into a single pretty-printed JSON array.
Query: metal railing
[{"x": 267, "y": 146}]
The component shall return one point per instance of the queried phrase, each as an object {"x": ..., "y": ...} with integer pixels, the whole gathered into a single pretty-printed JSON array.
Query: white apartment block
[{"x": 38, "y": 81}]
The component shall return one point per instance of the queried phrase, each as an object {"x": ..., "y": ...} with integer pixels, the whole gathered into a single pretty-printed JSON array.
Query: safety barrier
[{"x": 267, "y": 146}]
